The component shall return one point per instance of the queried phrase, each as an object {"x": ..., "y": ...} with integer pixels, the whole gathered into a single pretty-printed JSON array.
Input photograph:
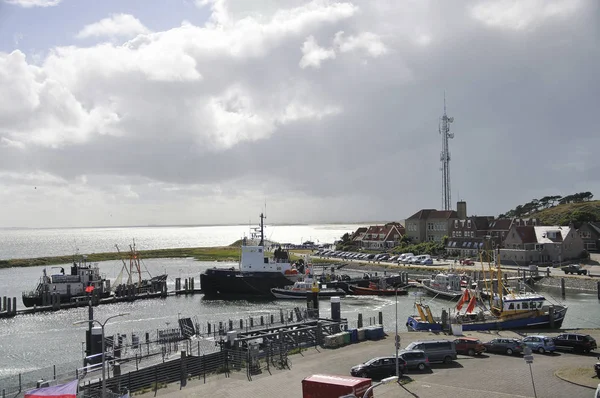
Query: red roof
[
  {"x": 527, "y": 234},
  {"x": 386, "y": 230}
]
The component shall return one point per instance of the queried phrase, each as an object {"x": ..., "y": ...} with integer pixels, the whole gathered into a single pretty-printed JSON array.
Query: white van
[{"x": 404, "y": 257}]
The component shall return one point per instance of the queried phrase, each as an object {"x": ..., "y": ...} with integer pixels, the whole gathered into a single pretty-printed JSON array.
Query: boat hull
[
  {"x": 533, "y": 322},
  {"x": 231, "y": 283},
  {"x": 38, "y": 300},
  {"x": 286, "y": 294},
  {"x": 451, "y": 294},
  {"x": 366, "y": 291}
]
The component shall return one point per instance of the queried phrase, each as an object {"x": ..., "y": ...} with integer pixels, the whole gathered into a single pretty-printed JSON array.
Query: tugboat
[
  {"x": 444, "y": 285},
  {"x": 256, "y": 276},
  {"x": 83, "y": 279}
]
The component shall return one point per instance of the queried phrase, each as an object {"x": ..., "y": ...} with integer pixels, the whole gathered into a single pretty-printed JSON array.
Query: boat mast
[{"x": 262, "y": 230}]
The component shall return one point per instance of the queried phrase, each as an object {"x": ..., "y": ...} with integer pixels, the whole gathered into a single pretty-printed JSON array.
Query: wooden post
[
  {"x": 360, "y": 321},
  {"x": 551, "y": 316},
  {"x": 562, "y": 286},
  {"x": 598, "y": 289}
]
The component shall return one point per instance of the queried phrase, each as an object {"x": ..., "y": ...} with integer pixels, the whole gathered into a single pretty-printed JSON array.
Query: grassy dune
[{"x": 225, "y": 253}]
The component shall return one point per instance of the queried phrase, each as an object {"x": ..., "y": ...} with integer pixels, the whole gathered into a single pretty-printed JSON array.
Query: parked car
[
  {"x": 574, "y": 269},
  {"x": 427, "y": 261},
  {"x": 404, "y": 257},
  {"x": 415, "y": 359},
  {"x": 469, "y": 346},
  {"x": 436, "y": 350},
  {"x": 541, "y": 344},
  {"x": 504, "y": 346},
  {"x": 378, "y": 368},
  {"x": 467, "y": 261},
  {"x": 575, "y": 341}
]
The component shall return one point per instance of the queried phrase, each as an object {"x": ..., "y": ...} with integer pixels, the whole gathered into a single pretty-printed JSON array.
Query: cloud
[
  {"x": 313, "y": 54},
  {"x": 366, "y": 41},
  {"x": 327, "y": 109},
  {"x": 34, "y": 3},
  {"x": 117, "y": 25},
  {"x": 522, "y": 14}
]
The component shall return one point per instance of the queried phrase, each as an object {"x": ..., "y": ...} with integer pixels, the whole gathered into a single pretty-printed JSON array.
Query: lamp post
[
  {"x": 529, "y": 360},
  {"x": 384, "y": 381},
  {"x": 103, "y": 345},
  {"x": 397, "y": 339}
]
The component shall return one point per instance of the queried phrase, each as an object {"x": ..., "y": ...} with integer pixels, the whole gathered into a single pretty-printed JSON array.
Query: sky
[{"x": 129, "y": 112}]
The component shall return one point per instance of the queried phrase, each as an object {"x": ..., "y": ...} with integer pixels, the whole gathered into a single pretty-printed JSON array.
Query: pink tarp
[{"x": 68, "y": 390}]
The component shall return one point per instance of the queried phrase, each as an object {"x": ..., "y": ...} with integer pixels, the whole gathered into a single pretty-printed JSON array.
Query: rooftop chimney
[{"x": 461, "y": 210}]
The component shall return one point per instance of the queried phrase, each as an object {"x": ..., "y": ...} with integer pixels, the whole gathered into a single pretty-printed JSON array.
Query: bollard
[
  {"x": 208, "y": 324},
  {"x": 360, "y": 321},
  {"x": 230, "y": 325},
  {"x": 380, "y": 318},
  {"x": 3, "y": 308},
  {"x": 335, "y": 308},
  {"x": 251, "y": 322},
  {"x": 14, "y": 305},
  {"x": 8, "y": 309},
  {"x": 562, "y": 286},
  {"x": 281, "y": 315},
  {"x": 262, "y": 320},
  {"x": 272, "y": 319},
  {"x": 241, "y": 324}
]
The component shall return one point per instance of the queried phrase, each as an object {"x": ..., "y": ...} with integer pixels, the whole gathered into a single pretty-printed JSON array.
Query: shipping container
[{"x": 333, "y": 386}]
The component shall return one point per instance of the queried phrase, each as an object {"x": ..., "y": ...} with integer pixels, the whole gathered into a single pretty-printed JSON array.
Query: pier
[{"x": 122, "y": 293}]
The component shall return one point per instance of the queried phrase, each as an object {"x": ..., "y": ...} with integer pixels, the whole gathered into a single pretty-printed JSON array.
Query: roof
[
  {"x": 387, "y": 230},
  {"x": 421, "y": 214},
  {"x": 500, "y": 224},
  {"x": 595, "y": 226},
  {"x": 527, "y": 234},
  {"x": 542, "y": 233},
  {"x": 444, "y": 214}
]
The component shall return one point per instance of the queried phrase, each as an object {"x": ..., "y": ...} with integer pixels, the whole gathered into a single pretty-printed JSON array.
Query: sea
[{"x": 31, "y": 342}]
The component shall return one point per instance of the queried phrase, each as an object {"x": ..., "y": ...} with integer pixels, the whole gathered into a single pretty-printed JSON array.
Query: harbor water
[{"x": 31, "y": 342}]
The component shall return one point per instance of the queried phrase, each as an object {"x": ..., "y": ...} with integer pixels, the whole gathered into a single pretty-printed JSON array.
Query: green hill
[{"x": 565, "y": 213}]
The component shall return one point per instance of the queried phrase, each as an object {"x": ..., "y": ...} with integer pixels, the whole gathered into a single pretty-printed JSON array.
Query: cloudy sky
[{"x": 130, "y": 112}]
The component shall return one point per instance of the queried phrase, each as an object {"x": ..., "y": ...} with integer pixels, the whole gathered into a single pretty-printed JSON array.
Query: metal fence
[{"x": 148, "y": 361}]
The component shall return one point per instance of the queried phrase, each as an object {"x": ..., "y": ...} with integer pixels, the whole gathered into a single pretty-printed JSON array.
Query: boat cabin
[
  {"x": 254, "y": 260},
  {"x": 446, "y": 282},
  {"x": 523, "y": 303}
]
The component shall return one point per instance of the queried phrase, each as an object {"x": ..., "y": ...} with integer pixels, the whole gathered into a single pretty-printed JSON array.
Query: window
[
  {"x": 525, "y": 306},
  {"x": 455, "y": 223},
  {"x": 430, "y": 226},
  {"x": 469, "y": 224},
  {"x": 585, "y": 234}
]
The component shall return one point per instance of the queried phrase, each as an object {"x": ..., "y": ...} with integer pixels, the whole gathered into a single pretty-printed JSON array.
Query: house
[
  {"x": 526, "y": 244},
  {"x": 498, "y": 228},
  {"x": 590, "y": 233},
  {"x": 357, "y": 236},
  {"x": 382, "y": 236},
  {"x": 429, "y": 225},
  {"x": 467, "y": 236}
]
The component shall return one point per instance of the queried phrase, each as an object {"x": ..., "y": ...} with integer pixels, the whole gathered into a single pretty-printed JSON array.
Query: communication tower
[{"x": 444, "y": 129}]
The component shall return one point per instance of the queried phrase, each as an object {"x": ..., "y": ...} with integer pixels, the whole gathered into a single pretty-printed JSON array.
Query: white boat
[
  {"x": 300, "y": 289},
  {"x": 445, "y": 285}
]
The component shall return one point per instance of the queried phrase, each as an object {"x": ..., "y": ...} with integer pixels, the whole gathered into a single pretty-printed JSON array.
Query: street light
[
  {"x": 103, "y": 345},
  {"x": 387, "y": 380},
  {"x": 397, "y": 338},
  {"x": 529, "y": 360}
]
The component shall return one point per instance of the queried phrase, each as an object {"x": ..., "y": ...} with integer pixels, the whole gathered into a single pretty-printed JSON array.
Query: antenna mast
[{"x": 444, "y": 130}]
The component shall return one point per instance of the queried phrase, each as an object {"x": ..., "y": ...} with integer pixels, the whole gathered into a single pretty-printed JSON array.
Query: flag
[
  {"x": 68, "y": 390},
  {"x": 89, "y": 289},
  {"x": 472, "y": 303},
  {"x": 463, "y": 299}
]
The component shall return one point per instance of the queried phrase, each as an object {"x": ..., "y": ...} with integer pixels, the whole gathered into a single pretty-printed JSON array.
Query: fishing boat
[
  {"x": 134, "y": 272},
  {"x": 256, "y": 274},
  {"x": 447, "y": 285},
  {"x": 505, "y": 309},
  {"x": 375, "y": 290},
  {"x": 82, "y": 280},
  {"x": 300, "y": 289}
]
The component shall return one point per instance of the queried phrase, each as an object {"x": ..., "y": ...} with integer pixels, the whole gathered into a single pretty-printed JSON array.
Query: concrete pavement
[{"x": 489, "y": 375}]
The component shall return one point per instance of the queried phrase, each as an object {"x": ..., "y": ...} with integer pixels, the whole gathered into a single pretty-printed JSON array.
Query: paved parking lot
[{"x": 489, "y": 375}]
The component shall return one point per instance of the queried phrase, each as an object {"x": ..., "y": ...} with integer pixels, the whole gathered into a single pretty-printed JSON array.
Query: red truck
[{"x": 333, "y": 386}]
